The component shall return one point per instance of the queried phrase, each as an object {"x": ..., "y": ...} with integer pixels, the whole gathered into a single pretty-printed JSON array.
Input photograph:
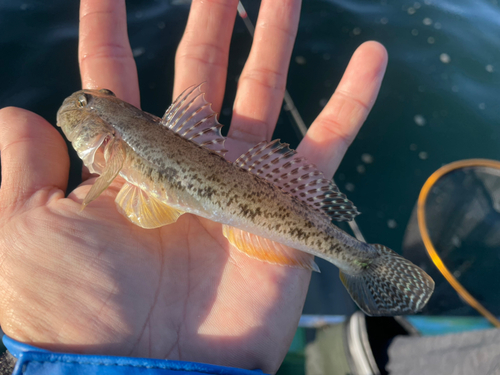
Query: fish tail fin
[{"x": 389, "y": 285}]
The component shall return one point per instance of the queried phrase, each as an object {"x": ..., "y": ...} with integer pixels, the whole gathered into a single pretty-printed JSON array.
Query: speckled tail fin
[
  {"x": 389, "y": 285},
  {"x": 143, "y": 209},
  {"x": 268, "y": 251},
  {"x": 114, "y": 154},
  {"x": 279, "y": 165}
]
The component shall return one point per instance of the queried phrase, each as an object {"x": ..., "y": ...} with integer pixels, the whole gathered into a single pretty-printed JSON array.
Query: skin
[{"x": 90, "y": 281}]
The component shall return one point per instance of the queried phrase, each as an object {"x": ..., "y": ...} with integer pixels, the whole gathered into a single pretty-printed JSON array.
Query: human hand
[{"x": 92, "y": 282}]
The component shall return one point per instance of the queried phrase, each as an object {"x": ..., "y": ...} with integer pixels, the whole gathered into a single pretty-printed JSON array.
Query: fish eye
[
  {"x": 107, "y": 92},
  {"x": 82, "y": 100}
]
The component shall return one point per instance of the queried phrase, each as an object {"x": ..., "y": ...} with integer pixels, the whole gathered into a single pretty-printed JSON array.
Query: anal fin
[
  {"x": 143, "y": 209},
  {"x": 268, "y": 251}
]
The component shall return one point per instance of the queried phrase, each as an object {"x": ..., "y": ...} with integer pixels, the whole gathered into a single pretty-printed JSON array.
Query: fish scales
[
  {"x": 170, "y": 173},
  {"x": 222, "y": 190},
  {"x": 227, "y": 192}
]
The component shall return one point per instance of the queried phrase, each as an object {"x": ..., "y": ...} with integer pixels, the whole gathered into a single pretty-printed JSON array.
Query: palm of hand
[{"x": 178, "y": 292}]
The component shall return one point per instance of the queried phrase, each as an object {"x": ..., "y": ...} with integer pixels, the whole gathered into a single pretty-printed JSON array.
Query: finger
[
  {"x": 262, "y": 83},
  {"x": 34, "y": 156},
  {"x": 336, "y": 126},
  {"x": 204, "y": 49},
  {"x": 105, "y": 56}
]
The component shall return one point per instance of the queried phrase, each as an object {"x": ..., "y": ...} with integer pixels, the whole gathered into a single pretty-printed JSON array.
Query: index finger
[{"x": 105, "y": 56}]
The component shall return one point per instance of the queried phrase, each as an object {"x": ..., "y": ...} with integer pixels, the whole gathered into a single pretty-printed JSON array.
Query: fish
[{"x": 273, "y": 205}]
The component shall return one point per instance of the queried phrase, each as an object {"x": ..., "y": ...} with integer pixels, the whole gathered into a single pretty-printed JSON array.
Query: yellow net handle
[{"x": 427, "y": 240}]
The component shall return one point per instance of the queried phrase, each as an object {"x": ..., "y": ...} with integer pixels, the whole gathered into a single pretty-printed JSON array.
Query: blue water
[{"x": 439, "y": 102}]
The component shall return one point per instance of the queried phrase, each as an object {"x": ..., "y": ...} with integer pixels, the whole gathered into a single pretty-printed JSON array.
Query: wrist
[{"x": 35, "y": 361}]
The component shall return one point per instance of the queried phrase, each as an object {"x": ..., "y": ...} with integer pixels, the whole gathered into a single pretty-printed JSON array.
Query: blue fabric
[{"x": 35, "y": 361}]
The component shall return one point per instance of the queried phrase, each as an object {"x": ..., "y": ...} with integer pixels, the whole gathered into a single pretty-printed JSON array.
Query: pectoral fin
[
  {"x": 143, "y": 209},
  {"x": 268, "y": 251},
  {"x": 114, "y": 156}
]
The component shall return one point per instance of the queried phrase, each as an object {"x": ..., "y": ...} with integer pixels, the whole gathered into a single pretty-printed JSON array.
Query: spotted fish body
[{"x": 274, "y": 205}]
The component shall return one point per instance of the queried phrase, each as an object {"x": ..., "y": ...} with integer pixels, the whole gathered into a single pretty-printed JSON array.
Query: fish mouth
[
  {"x": 61, "y": 111},
  {"x": 67, "y": 106},
  {"x": 70, "y": 118},
  {"x": 62, "y": 118}
]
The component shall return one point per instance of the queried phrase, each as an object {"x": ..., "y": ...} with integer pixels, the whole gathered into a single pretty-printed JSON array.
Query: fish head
[
  {"x": 81, "y": 114},
  {"x": 86, "y": 118}
]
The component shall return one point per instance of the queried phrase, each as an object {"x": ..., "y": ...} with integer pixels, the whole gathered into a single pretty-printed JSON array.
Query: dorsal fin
[
  {"x": 192, "y": 117},
  {"x": 277, "y": 163}
]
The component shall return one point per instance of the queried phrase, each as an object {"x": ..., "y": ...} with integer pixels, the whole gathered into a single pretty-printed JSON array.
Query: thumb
[{"x": 33, "y": 154}]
